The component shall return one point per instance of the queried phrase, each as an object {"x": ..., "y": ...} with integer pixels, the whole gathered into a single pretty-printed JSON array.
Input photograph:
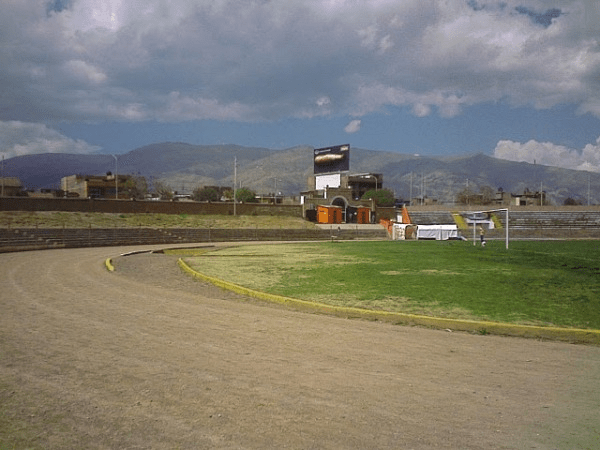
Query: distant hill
[{"x": 185, "y": 167}]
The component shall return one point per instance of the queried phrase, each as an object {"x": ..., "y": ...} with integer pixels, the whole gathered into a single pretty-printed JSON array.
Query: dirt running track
[{"x": 147, "y": 358}]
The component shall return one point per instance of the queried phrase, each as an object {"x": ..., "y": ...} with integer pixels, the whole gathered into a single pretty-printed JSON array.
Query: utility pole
[
  {"x": 588, "y": 189},
  {"x": 116, "y": 179},
  {"x": 234, "y": 182}
]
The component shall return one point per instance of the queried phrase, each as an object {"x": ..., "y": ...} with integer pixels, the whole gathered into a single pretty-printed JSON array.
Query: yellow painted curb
[
  {"x": 573, "y": 335},
  {"x": 109, "y": 266}
]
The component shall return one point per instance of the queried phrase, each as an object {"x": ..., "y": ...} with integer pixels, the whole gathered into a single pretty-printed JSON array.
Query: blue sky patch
[{"x": 544, "y": 19}]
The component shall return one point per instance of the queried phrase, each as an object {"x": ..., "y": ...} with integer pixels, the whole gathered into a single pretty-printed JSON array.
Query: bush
[
  {"x": 382, "y": 197},
  {"x": 205, "y": 195},
  {"x": 571, "y": 202},
  {"x": 245, "y": 195}
]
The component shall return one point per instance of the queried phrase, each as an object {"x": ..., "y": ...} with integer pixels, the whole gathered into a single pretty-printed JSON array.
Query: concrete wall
[
  {"x": 137, "y": 207},
  {"x": 223, "y": 208}
]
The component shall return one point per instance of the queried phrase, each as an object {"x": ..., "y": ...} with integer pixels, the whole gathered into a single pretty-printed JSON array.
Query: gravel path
[{"x": 147, "y": 358}]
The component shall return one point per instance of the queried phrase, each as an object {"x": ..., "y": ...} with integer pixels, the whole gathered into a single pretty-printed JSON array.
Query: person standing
[{"x": 482, "y": 235}]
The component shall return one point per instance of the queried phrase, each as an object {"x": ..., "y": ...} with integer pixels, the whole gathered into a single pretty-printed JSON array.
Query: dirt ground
[{"x": 148, "y": 358}]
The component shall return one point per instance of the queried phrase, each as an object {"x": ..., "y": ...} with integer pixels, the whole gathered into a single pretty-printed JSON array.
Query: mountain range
[{"x": 185, "y": 167}]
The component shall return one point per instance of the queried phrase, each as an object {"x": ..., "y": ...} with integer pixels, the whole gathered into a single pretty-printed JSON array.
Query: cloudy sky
[{"x": 518, "y": 79}]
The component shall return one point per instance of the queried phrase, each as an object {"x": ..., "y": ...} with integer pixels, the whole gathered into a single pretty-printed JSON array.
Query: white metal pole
[{"x": 506, "y": 228}]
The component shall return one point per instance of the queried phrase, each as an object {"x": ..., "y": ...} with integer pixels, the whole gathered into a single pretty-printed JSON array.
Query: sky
[{"x": 514, "y": 79}]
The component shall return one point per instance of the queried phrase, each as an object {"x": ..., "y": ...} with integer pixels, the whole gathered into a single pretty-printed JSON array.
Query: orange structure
[
  {"x": 329, "y": 214},
  {"x": 363, "y": 215},
  {"x": 405, "y": 216}
]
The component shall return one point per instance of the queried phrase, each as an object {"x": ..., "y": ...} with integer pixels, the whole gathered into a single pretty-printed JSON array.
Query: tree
[
  {"x": 205, "y": 194},
  {"x": 382, "y": 197},
  {"x": 136, "y": 187},
  {"x": 163, "y": 190},
  {"x": 464, "y": 196},
  {"x": 570, "y": 201},
  {"x": 485, "y": 196},
  {"x": 245, "y": 195}
]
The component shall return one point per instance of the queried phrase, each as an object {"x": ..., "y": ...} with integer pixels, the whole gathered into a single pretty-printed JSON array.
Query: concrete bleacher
[
  {"x": 432, "y": 217},
  {"x": 523, "y": 224},
  {"x": 528, "y": 223},
  {"x": 47, "y": 238},
  {"x": 557, "y": 224},
  {"x": 98, "y": 237},
  {"x": 15, "y": 240},
  {"x": 555, "y": 219}
]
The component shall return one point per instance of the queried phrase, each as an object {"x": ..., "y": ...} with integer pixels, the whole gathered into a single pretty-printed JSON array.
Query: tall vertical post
[
  {"x": 588, "y": 190},
  {"x": 234, "y": 183},
  {"x": 116, "y": 179},
  {"x": 506, "y": 228}
]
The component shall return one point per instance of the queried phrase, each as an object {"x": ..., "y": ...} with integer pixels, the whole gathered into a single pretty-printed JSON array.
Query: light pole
[
  {"x": 375, "y": 178},
  {"x": 116, "y": 179},
  {"x": 2, "y": 194}
]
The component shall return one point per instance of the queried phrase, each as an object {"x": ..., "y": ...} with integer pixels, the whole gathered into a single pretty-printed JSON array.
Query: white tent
[{"x": 437, "y": 232}]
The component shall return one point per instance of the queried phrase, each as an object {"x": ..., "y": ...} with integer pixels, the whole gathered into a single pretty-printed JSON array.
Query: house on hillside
[
  {"x": 503, "y": 198},
  {"x": 94, "y": 186},
  {"x": 528, "y": 198},
  {"x": 10, "y": 186}
]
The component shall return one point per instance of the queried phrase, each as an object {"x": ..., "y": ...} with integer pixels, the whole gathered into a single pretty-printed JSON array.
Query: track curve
[{"x": 145, "y": 357}]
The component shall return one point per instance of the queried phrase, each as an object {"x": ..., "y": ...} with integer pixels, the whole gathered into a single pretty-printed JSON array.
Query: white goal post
[{"x": 485, "y": 212}]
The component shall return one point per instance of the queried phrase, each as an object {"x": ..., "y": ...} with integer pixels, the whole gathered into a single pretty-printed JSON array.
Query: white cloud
[
  {"x": 550, "y": 154},
  {"x": 84, "y": 72},
  {"x": 181, "y": 108},
  {"x": 21, "y": 138},
  {"x": 353, "y": 126},
  {"x": 323, "y": 101},
  {"x": 256, "y": 60},
  {"x": 421, "y": 110}
]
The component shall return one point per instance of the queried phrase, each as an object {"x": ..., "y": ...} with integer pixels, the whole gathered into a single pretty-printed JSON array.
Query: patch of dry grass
[
  {"x": 262, "y": 266},
  {"x": 57, "y": 219}
]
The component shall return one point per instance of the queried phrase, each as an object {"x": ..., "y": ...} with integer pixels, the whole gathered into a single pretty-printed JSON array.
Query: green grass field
[{"x": 550, "y": 283}]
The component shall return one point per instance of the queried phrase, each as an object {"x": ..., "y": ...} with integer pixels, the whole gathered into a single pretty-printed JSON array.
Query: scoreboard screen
[{"x": 332, "y": 159}]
